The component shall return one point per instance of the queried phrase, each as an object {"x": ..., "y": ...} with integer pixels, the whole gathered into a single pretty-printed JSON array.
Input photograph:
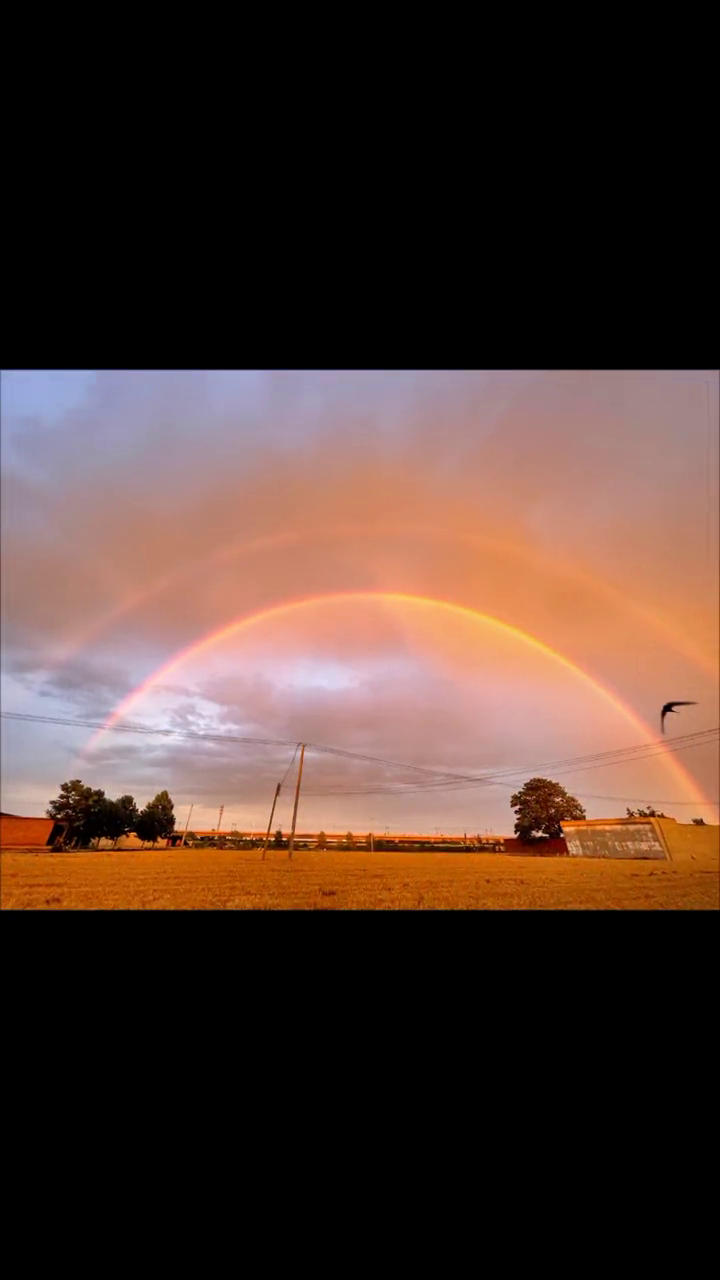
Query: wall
[
  {"x": 27, "y": 833},
  {"x": 615, "y": 839},
  {"x": 688, "y": 843}
]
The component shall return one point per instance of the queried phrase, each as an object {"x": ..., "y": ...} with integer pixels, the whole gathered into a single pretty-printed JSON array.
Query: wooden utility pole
[
  {"x": 267, "y": 837},
  {"x": 222, "y": 810},
  {"x": 187, "y": 824},
  {"x": 297, "y": 797}
]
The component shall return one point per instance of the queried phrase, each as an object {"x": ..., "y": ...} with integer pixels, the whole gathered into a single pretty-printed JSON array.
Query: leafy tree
[
  {"x": 698, "y": 822},
  {"x": 540, "y": 806},
  {"x": 163, "y": 806},
  {"x": 83, "y": 809},
  {"x": 120, "y": 818},
  {"x": 157, "y": 820},
  {"x": 71, "y": 806},
  {"x": 349, "y": 840},
  {"x": 644, "y": 813},
  {"x": 322, "y": 840},
  {"x": 97, "y": 818},
  {"x": 147, "y": 827},
  {"x": 278, "y": 838}
]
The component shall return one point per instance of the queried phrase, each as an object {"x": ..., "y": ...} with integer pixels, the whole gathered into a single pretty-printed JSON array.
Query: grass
[{"x": 333, "y": 880}]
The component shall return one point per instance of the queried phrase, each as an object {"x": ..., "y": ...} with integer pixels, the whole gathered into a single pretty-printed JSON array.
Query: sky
[{"x": 474, "y": 573}]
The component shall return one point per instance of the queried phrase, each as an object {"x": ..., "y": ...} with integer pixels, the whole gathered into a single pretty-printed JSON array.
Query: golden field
[{"x": 332, "y": 880}]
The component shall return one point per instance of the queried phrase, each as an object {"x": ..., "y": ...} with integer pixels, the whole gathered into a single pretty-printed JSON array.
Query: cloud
[{"x": 159, "y": 507}]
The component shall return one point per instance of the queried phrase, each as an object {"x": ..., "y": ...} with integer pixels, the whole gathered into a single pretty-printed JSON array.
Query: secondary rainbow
[
  {"x": 240, "y": 624},
  {"x": 679, "y": 642}
]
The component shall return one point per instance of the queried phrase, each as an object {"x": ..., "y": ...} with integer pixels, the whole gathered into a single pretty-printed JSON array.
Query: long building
[
  {"x": 29, "y": 833},
  {"x": 377, "y": 840}
]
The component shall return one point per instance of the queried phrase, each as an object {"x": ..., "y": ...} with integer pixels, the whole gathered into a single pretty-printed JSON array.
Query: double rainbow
[{"x": 243, "y": 624}]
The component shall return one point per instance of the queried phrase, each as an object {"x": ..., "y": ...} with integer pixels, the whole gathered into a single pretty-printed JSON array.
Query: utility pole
[
  {"x": 222, "y": 810},
  {"x": 267, "y": 837},
  {"x": 297, "y": 797},
  {"x": 187, "y": 824}
]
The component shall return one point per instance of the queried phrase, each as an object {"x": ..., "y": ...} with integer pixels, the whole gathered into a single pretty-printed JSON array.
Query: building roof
[{"x": 611, "y": 822}]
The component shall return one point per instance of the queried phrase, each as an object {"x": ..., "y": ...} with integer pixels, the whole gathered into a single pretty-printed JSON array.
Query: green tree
[
  {"x": 698, "y": 822},
  {"x": 71, "y": 806},
  {"x": 165, "y": 809},
  {"x": 540, "y": 806},
  {"x": 157, "y": 820},
  {"x": 278, "y": 839},
  {"x": 82, "y": 808},
  {"x": 96, "y": 819},
  {"x": 349, "y": 840},
  {"x": 147, "y": 827},
  {"x": 322, "y": 840},
  {"x": 121, "y": 815},
  {"x": 644, "y": 813}
]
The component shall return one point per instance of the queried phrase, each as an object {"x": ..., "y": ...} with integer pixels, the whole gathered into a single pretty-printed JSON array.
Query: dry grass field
[{"x": 216, "y": 879}]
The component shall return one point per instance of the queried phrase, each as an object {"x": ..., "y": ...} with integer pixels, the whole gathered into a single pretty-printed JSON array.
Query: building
[
  {"x": 543, "y": 847},
  {"x": 408, "y": 841},
  {"x": 29, "y": 833}
]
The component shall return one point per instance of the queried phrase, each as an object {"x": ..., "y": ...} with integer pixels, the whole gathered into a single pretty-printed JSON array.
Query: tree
[
  {"x": 644, "y": 813},
  {"x": 349, "y": 840},
  {"x": 121, "y": 817},
  {"x": 322, "y": 840},
  {"x": 147, "y": 827},
  {"x": 71, "y": 806},
  {"x": 165, "y": 809},
  {"x": 698, "y": 822},
  {"x": 540, "y": 806},
  {"x": 83, "y": 809},
  {"x": 157, "y": 820},
  {"x": 97, "y": 817},
  {"x": 278, "y": 838}
]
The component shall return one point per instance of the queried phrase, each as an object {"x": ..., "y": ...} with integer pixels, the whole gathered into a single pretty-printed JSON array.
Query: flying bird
[{"x": 670, "y": 706}]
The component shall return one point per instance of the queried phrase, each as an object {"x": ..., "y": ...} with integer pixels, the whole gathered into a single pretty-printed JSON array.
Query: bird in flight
[{"x": 670, "y": 706}]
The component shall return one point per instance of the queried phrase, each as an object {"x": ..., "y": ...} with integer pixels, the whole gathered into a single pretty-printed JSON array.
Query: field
[{"x": 216, "y": 879}]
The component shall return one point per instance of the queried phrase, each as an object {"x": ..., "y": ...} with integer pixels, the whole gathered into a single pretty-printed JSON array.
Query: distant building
[{"x": 543, "y": 847}]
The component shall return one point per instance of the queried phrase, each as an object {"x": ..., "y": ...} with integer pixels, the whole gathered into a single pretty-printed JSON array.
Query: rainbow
[
  {"x": 678, "y": 641},
  {"x": 276, "y": 611}
]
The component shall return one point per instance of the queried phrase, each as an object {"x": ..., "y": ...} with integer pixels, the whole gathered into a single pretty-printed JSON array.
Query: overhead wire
[
  {"x": 433, "y": 776},
  {"x": 433, "y": 779},
  {"x": 287, "y": 771},
  {"x": 568, "y": 763},
  {"x": 497, "y": 777}
]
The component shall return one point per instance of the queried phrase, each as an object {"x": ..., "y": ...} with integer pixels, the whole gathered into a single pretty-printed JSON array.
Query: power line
[
  {"x": 145, "y": 729},
  {"x": 433, "y": 775},
  {"x": 434, "y": 779},
  {"x": 568, "y": 765},
  {"x": 456, "y": 782},
  {"x": 294, "y": 754},
  {"x": 338, "y": 751},
  {"x": 441, "y": 780}
]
